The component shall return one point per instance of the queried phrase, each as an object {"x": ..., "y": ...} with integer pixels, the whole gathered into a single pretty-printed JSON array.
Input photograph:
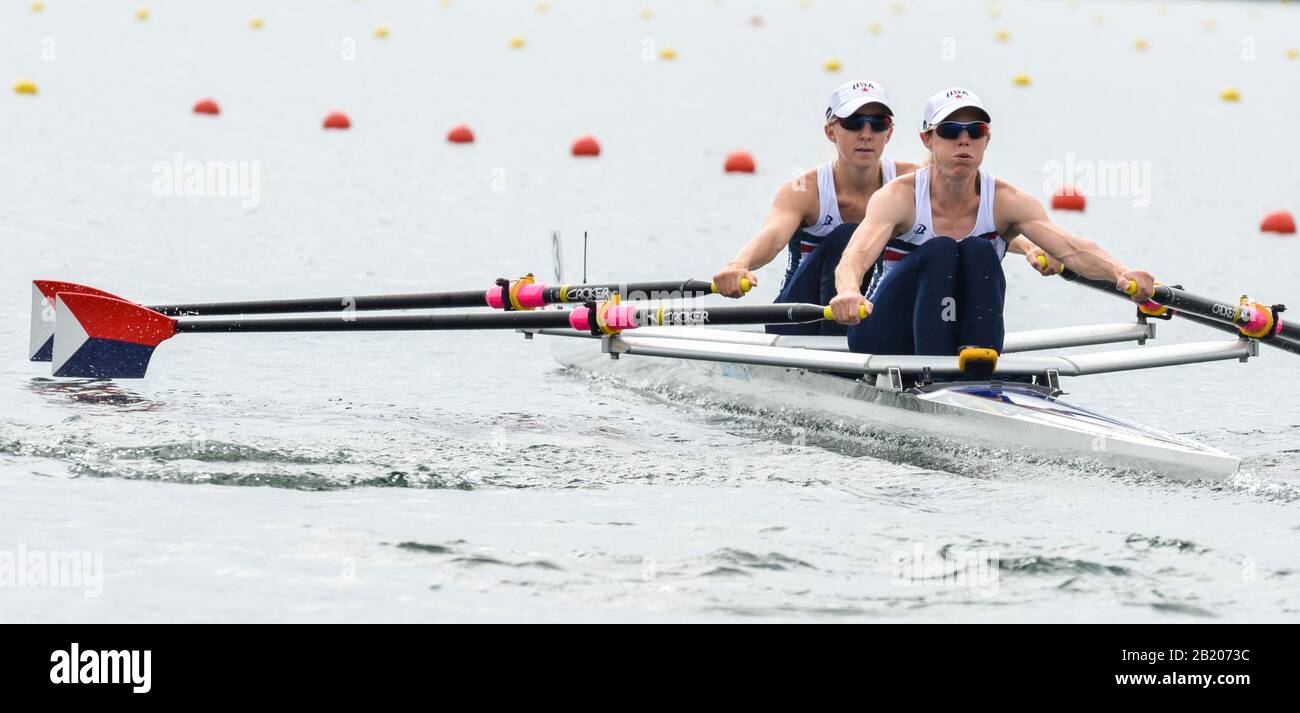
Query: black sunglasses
[
  {"x": 878, "y": 122},
  {"x": 952, "y": 129}
]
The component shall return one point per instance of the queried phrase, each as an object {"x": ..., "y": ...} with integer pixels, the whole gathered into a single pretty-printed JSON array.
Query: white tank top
[
  {"x": 923, "y": 229},
  {"x": 829, "y": 215}
]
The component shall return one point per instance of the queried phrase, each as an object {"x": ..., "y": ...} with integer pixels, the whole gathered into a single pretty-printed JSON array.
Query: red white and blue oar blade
[
  {"x": 105, "y": 338},
  {"x": 43, "y": 318}
]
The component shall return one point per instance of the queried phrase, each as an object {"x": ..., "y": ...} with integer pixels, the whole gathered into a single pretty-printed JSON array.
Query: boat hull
[{"x": 1007, "y": 415}]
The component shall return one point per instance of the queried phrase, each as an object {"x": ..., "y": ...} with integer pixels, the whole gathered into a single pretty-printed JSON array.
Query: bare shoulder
[
  {"x": 902, "y": 168},
  {"x": 799, "y": 193}
]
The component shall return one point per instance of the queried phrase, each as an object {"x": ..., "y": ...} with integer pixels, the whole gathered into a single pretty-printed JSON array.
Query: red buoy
[
  {"x": 739, "y": 162},
  {"x": 1068, "y": 198},
  {"x": 586, "y": 146},
  {"x": 756, "y": 21},
  {"x": 338, "y": 120},
  {"x": 460, "y": 135},
  {"x": 207, "y": 106},
  {"x": 1279, "y": 221}
]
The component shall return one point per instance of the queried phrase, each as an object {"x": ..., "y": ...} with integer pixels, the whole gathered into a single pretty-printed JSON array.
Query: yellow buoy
[
  {"x": 381, "y": 32},
  {"x": 668, "y": 53},
  {"x": 543, "y": 8},
  {"x": 1021, "y": 80},
  {"x": 142, "y": 14},
  {"x": 36, "y": 6},
  {"x": 517, "y": 42},
  {"x": 832, "y": 65},
  {"x": 1140, "y": 45},
  {"x": 1002, "y": 36},
  {"x": 1230, "y": 95},
  {"x": 256, "y": 23},
  {"x": 1208, "y": 25},
  {"x": 647, "y": 13},
  {"x": 1293, "y": 53},
  {"x": 897, "y": 8},
  {"x": 875, "y": 28},
  {"x": 25, "y": 86}
]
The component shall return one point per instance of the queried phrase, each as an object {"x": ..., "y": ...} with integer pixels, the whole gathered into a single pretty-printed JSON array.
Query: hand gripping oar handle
[{"x": 1246, "y": 319}]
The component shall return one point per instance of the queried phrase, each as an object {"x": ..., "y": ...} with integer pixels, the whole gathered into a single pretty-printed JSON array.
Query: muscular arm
[
  {"x": 786, "y": 216},
  {"x": 888, "y": 212},
  {"x": 1026, "y": 216}
]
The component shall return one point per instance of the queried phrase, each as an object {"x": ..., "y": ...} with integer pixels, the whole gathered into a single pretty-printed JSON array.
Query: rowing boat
[
  {"x": 1010, "y": 399},
  {"x": 1026, "y": 416}
]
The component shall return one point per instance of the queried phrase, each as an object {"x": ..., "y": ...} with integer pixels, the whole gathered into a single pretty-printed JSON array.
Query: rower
[
  {"x": 937, "y": 238},
  {"x": 814, "y": 215}
]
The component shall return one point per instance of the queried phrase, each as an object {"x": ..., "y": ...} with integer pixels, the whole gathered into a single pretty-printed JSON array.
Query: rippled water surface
[{"x": 470, "y": 477}]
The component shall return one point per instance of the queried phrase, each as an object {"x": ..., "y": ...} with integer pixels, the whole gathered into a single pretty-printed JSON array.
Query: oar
[
  {"x": 102, "y": 337},
  {"x": 521, "y": 294},
  {"x": 1245, "y": 319}
]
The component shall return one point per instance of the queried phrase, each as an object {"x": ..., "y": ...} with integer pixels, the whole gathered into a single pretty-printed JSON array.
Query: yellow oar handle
[
  {"x": 745, "y": 286},
  {"x": 1042, "y": 262},
  {"x": 862, "y": 312},
  {"x": 1132, "y": 288}
]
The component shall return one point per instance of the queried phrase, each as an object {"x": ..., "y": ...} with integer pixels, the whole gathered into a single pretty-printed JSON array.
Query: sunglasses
[
  {"x": 952, "y": 129},
  {"x": 878, "y": 122}
]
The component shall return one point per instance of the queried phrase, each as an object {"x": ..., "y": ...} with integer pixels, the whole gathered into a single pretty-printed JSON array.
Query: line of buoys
[
  {"x": 586, "y": 146},
  {"x": 1068, "y": 198},
  {"x": 739, "y": 162},
  {"x": 207, "y": 106},
  {"x": 460, "y": 134},
  {"x": 1279, "y": 221},
  {"x": 337, "y": 120},
  {"x": 25, "y": 86}
]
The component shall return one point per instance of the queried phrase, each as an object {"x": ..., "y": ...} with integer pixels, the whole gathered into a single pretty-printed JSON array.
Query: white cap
[
  {"x": 942, "y": 105},
  {"x": 851, "y": 96}
]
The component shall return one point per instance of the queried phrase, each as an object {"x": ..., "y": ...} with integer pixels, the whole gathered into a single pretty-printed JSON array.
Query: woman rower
[
  {"x": 934, "y": 294},
  {"x": 814, "y": 215}
]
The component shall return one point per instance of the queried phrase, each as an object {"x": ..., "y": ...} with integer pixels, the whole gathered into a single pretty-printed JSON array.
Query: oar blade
[
  {"x": 41, "y": 345},
  {"x": 105, "y": 338}
]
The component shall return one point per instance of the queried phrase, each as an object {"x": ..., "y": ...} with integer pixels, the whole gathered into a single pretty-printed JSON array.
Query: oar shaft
[
  {"x": 528, "y": 294},
  {"x": 1224, "y": 316},
  {"x": 614, "y": 318}
]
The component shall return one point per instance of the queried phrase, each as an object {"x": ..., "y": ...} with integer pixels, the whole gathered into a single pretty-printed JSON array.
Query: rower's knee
[
  {"x": 939, "y": 248},
  {"x": 976, "y": 247},
  {"x": 838, "y": 238}
]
